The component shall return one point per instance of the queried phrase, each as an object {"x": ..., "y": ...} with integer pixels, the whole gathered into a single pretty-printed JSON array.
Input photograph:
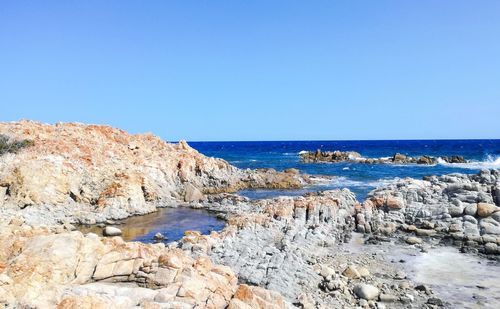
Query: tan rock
[
  {"x": 351, "y": 272},
  {"x": 394, "y": 203},
  {"x": 485, "y": 210},
  {"x": 84, "y": 302}
]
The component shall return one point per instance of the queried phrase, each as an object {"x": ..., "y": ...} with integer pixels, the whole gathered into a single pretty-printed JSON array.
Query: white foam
[
  {"x": 489, "y": 163},
  {"x": 303, "y": 152},
  {"x": 346, "y": 182}
]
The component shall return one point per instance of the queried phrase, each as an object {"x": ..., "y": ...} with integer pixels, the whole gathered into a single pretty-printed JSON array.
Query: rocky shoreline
[
  {"x": 457, "y": 209},
  {"x": 319, "y": 156},
  {"x": 284, "y": 252}
]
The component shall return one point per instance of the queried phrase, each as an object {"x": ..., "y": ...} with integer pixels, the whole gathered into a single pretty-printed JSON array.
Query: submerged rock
[{"x": 159, "y": 236}]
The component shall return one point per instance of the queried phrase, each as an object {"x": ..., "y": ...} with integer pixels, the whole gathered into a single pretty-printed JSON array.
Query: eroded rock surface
[{"x": 457, "y": 208}]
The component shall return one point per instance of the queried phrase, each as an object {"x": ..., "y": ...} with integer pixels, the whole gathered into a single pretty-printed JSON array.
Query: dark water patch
[{"x": 170, "y": 222}]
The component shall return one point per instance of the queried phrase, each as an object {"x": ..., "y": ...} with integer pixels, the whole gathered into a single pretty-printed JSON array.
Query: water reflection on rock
[{"x": 170, "y": 222}]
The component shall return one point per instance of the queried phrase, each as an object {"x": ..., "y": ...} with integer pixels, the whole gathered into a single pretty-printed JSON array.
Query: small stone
[
  {"x": 412, "y": 240},
  {"x": 159, "y": 236},
  {"x": 491, "y": 248},
  {"x": 327, "y": 272},
  {"x": 381, "y": 306},
  {"x": 111, "y": 231},
  {"x": 471, "y": 209},
  {"x": 351, "y": 272},
  {"x": 363, "y": 271},
  {"x": 400, "y": 275},
  {"x": 426, "y": 233},
  {"x": 423, "y": 288},
  {"x": 435, "y": 301},
  {"x": 388, "y": 298},
  {"x": 366, "y": 291}
]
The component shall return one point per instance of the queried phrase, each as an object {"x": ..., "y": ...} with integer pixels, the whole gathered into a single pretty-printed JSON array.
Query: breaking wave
[{"x": 490, "y": 162}]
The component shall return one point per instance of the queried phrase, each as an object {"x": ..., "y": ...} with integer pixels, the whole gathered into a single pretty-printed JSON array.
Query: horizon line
[{"x": 342, "y": 140}]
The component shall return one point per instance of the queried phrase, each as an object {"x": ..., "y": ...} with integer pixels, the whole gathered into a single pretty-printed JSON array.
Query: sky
[{"x": 256, "y": 70}]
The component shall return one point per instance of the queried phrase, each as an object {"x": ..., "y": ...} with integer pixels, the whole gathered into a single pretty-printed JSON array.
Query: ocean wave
[
  {"x": 303, "y": 152},
  {"x": 346, "y": 182},
  {"x": 489, "y": 163}
]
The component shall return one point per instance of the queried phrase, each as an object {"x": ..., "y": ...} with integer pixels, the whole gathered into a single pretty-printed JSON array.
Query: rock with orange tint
[
  {"x": 84, "y": 302},
  {"x": 90, "y": 173},
  {"x": 71, "y": 270},
  {"x": 257, "y": 298}
]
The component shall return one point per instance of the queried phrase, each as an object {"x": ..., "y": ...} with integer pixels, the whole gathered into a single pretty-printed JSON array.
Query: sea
[{"x": 358, "y": 177}]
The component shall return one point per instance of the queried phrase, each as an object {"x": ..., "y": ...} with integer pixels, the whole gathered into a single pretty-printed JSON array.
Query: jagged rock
[{"x": 89, "y": 173}]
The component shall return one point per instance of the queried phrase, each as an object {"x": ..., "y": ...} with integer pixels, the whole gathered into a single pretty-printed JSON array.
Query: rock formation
[
  {"x": 337, "y": 156},
  {"x": 458, "y": 208},
  {"x": 88, "y": 173},
  {"x": 43, "y": 268},
  {"x": 294, "y": 245}
]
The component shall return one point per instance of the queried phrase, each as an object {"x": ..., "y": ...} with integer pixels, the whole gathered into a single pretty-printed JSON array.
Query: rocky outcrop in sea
[{"x": 319, "y": 156}]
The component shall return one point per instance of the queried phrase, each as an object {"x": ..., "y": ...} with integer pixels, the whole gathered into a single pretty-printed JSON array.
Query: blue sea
[{"x": 360, "y": 178}]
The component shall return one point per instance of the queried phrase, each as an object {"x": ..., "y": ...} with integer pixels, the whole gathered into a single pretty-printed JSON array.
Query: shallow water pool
[{"x": 170, "y": 222}]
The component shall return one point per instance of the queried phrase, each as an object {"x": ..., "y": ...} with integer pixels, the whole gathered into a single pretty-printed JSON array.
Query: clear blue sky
[{"x": 256, "y": 70}]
